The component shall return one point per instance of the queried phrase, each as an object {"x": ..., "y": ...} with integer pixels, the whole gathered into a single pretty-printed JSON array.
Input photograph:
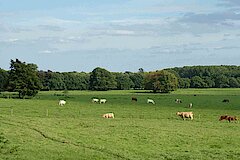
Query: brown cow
[
  {"x": 134, "y": 99},
  {"x": 229, "y": 118},
  {"x": 226, "y": 100}
]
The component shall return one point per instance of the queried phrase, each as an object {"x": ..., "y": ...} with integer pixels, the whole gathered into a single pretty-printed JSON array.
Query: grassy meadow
[{"x": 38, "y": 128}]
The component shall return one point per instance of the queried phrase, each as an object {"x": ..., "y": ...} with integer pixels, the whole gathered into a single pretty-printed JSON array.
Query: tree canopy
[
  {"x": 101, "y": 80},
  {"x": 23, "y": 79},
  {"x": 161, "y": 81}
]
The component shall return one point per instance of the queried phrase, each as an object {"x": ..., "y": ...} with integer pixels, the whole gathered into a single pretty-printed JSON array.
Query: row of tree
[
  {"x": 207, "y": 76},
  {"x": 27, "y": 80}
]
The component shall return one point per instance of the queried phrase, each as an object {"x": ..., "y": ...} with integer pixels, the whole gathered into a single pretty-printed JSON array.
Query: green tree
[
  {"x": 222, "y": 81},
  {"x": 23, "y": 79},
  {"x": 209, "y": 82},
  {"x": 3, "y": 79},
  {"x": 101, "y": 80},
  {"x": 184, "y": 82},
  {"x": 161, "y": 81},
  {"x": 137, "y": 79},
  {"x": 198, "y": 82},
  {"x": 233, "y": 82},
  {"x": 76, "y": 81},
  {"x": 123, "y": 81},
  {"x": 56, "y": 81}
]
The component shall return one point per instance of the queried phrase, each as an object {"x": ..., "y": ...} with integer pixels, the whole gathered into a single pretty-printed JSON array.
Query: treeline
[
  {"x": 207, "y": 76},
  {"x": 21, "y": 77},
  {"x": 86, "y": 81},
  {"x": 101, "y": 79}
]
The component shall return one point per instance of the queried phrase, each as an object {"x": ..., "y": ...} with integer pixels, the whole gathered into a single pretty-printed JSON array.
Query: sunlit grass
[{"x": 40, "y": 129}]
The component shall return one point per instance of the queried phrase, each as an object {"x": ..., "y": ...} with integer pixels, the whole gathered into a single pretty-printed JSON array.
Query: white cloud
[{"x": 46, "y": 51}]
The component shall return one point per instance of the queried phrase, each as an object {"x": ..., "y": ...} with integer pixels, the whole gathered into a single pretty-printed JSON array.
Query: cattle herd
[{"x": 183, "y": 115}]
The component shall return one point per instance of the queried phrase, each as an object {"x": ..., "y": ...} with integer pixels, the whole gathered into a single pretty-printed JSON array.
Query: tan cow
[
  {"x": 185, "y": 115},
  {"x": 108, "y": 115}
]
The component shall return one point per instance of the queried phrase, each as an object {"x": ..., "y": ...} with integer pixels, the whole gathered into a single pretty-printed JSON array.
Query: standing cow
[
  {"x": 95, "y": 100},
  {"x": 228, "y": 118},
  {"x": 190, "y": 105},
  {"x": 134, "y": 99},
  {"x": 150, "y": 101},
  {"x": 108, "y": 115},
  {"x": 178, "y": 101},
  {"x": 102, "y": 101},
  {"x": 62, "y": 102},
  {"x": 184, "y": 115}
]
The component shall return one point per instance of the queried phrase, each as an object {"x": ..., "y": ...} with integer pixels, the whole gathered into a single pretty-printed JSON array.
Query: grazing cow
[
  {"x": 150, "y": 101},
  {"x": 190, "y": 105},
  {"x": 134, "y": 99},
  {"x": 226, "y": 100},
  {"x": 178, "y": 101},
  {"x": 62, "y": 102},
  {"x": 108, "y": 115},
  {"x": 228, "y": 118},
  {"x": 95, "y": 100},
  {"x": 185, "y": 115},
  {"x": 102, "y": 101}
]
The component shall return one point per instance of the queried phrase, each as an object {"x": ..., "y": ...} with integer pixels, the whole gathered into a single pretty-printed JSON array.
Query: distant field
[{"x": 40, "y": 129}]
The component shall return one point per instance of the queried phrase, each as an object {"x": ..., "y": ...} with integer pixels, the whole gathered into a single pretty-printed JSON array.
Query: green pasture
[{"x": 39, "y": 128}]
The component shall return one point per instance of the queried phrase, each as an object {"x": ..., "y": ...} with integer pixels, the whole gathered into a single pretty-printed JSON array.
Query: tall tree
[
  {"x": 137, "y": 79},
  {"x": 123, "y": 81},
  {"x": 101, "y": 80},
  {"x": 3, "y": 79},
  {"x": 161, "y": 81},
  {"x": 56, "y": 81},
  {"x": 23, "y": 78}
]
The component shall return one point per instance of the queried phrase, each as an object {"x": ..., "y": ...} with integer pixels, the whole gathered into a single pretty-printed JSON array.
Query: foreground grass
[{"x": 40, "y": 129}]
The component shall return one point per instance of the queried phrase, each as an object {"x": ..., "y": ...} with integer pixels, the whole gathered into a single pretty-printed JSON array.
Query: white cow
[
  {"x": 103, "y": 101},
  {"x": 62, "y": 102},
  {"x": 108, "y": 115},
  {"x": 95, "y": 100},
  {"x": 150, "y": 101},
  {"x": 178, "y": 100},
  {"x": 190, "y": 105}
]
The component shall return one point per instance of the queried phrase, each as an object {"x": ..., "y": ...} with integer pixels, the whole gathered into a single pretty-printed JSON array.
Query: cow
[
  {"x": 95, "y": 100},
  {"x": 150, "y": 101},
  {"x": 178, "y": 101},
  {"x": 226, "y": 101},
  {"x": 190, "y": 105},
  {"x": 108, "y": 115},
  {"x": 102, "y": 101},
  {"x": 228, "y": 118},
  {"x": 185, "y": 115},
  {"x": 134, "y": 99},
  {"x": 62, "y": 102}
]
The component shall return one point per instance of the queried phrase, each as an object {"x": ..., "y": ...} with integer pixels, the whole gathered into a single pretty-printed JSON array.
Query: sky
[{"x": 119, "y": 35}]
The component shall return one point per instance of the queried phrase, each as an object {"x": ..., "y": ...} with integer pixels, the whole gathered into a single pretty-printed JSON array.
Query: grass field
[{"x": 40, "y": 129}]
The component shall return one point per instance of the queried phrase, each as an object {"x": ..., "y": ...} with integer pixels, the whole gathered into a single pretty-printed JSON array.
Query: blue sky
[{"x": 119, "y": 35}]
